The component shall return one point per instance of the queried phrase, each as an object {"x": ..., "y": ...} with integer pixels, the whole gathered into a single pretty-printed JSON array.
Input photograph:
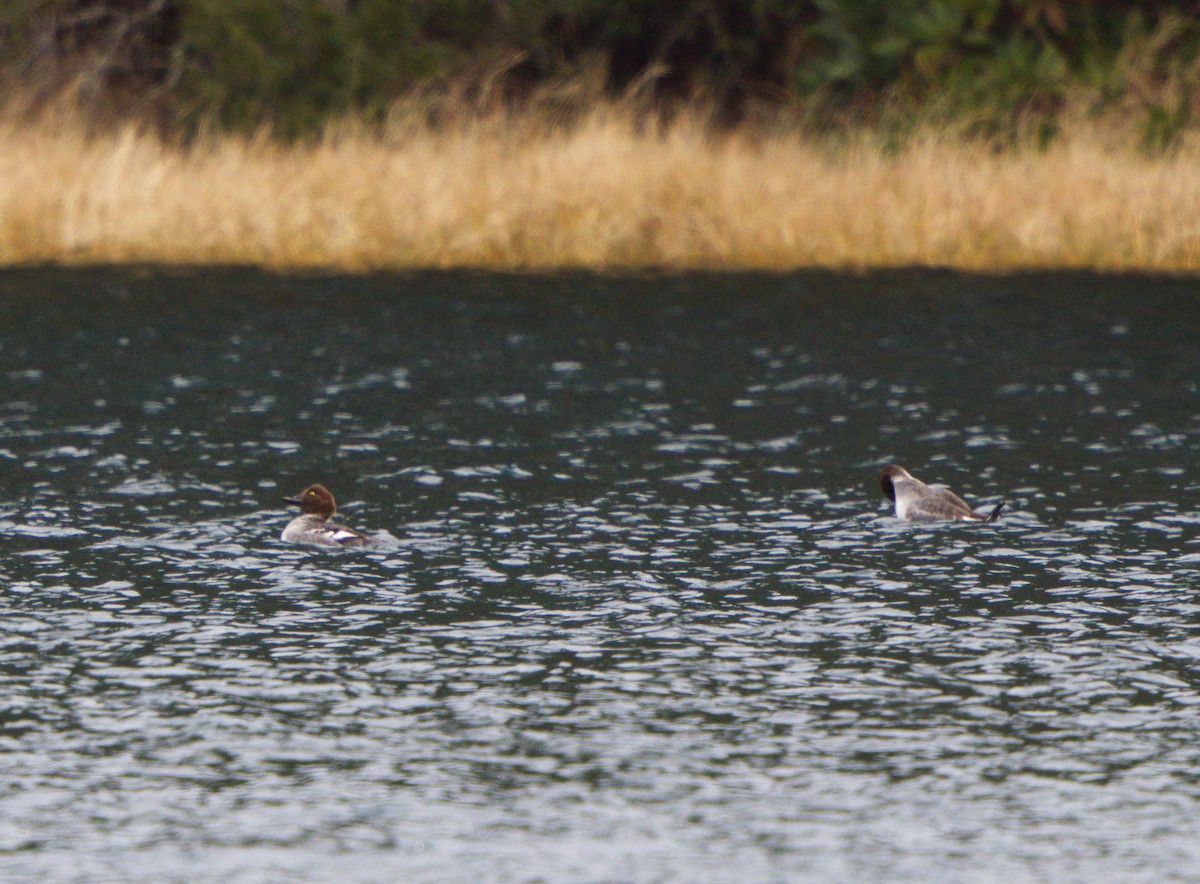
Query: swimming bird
[
  {"x": 917, "y": 502},
  {"x": 314, "y": 524}
]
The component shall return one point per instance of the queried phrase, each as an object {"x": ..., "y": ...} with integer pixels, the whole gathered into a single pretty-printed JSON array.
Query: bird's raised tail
[{"x": 995, "y": 513}]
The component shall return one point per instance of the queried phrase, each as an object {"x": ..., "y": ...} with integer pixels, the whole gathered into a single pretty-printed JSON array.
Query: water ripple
[{"x": 637, "y": 610}]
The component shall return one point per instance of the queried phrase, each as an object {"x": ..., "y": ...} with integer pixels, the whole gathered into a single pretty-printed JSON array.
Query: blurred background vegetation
[{"x": 1008, "y": 68}]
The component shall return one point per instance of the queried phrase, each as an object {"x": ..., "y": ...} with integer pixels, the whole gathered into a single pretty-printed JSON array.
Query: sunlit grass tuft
[{"x": 603, "y": 193}]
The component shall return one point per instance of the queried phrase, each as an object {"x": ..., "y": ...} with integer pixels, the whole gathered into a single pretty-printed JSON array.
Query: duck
[
  {"x": 917, "y": 502},
  {"x": 315, "y": 523}
]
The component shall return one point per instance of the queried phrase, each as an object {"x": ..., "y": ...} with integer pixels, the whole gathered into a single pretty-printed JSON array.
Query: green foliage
[
  {"x": 999, "y": 65},
  {"x": 1163, "y": 127},
  {"x": 252, "y": 61},
  {"x": 296, "y": 63},
  {"x": 19, "y": 26}
]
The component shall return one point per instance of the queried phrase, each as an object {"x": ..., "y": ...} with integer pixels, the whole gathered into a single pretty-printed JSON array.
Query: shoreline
[
  {"x": 863, "y": 281},
  {"x": 603, "y": 195}
]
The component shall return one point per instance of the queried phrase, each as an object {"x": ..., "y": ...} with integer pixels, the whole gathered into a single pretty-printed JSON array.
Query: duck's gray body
[{"x": 917, "y": 502}]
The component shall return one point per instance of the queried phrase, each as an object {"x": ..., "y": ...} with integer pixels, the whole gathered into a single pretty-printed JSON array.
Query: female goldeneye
[
  {"x": 917, "y": 502},
  {"x": 313, "y": 525}
]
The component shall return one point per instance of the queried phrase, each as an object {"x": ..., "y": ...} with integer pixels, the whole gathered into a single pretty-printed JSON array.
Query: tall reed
[{"x": 604, "y": 192}]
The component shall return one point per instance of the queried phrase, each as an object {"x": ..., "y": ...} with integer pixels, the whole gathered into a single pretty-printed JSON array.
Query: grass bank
[{"x": 604, "y": 193}]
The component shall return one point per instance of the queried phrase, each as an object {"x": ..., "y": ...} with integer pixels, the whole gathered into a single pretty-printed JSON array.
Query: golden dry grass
[{"x": 600, "y": 194}]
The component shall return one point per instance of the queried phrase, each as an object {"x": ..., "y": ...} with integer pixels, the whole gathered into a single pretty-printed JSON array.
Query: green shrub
[{"x": 1000, "y": 66}]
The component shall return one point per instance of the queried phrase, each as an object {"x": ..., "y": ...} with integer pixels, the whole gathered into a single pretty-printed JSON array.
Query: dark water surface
[{"x": 638, "y": 611}]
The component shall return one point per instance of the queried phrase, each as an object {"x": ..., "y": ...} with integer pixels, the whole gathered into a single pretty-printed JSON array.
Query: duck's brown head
[
  {"x": 890, "y": 473},
  {"x": 315, "y": 500}
]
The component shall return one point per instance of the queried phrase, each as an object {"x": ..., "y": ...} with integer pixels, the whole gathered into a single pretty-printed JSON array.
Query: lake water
[{"x": 638, "y": 610}]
